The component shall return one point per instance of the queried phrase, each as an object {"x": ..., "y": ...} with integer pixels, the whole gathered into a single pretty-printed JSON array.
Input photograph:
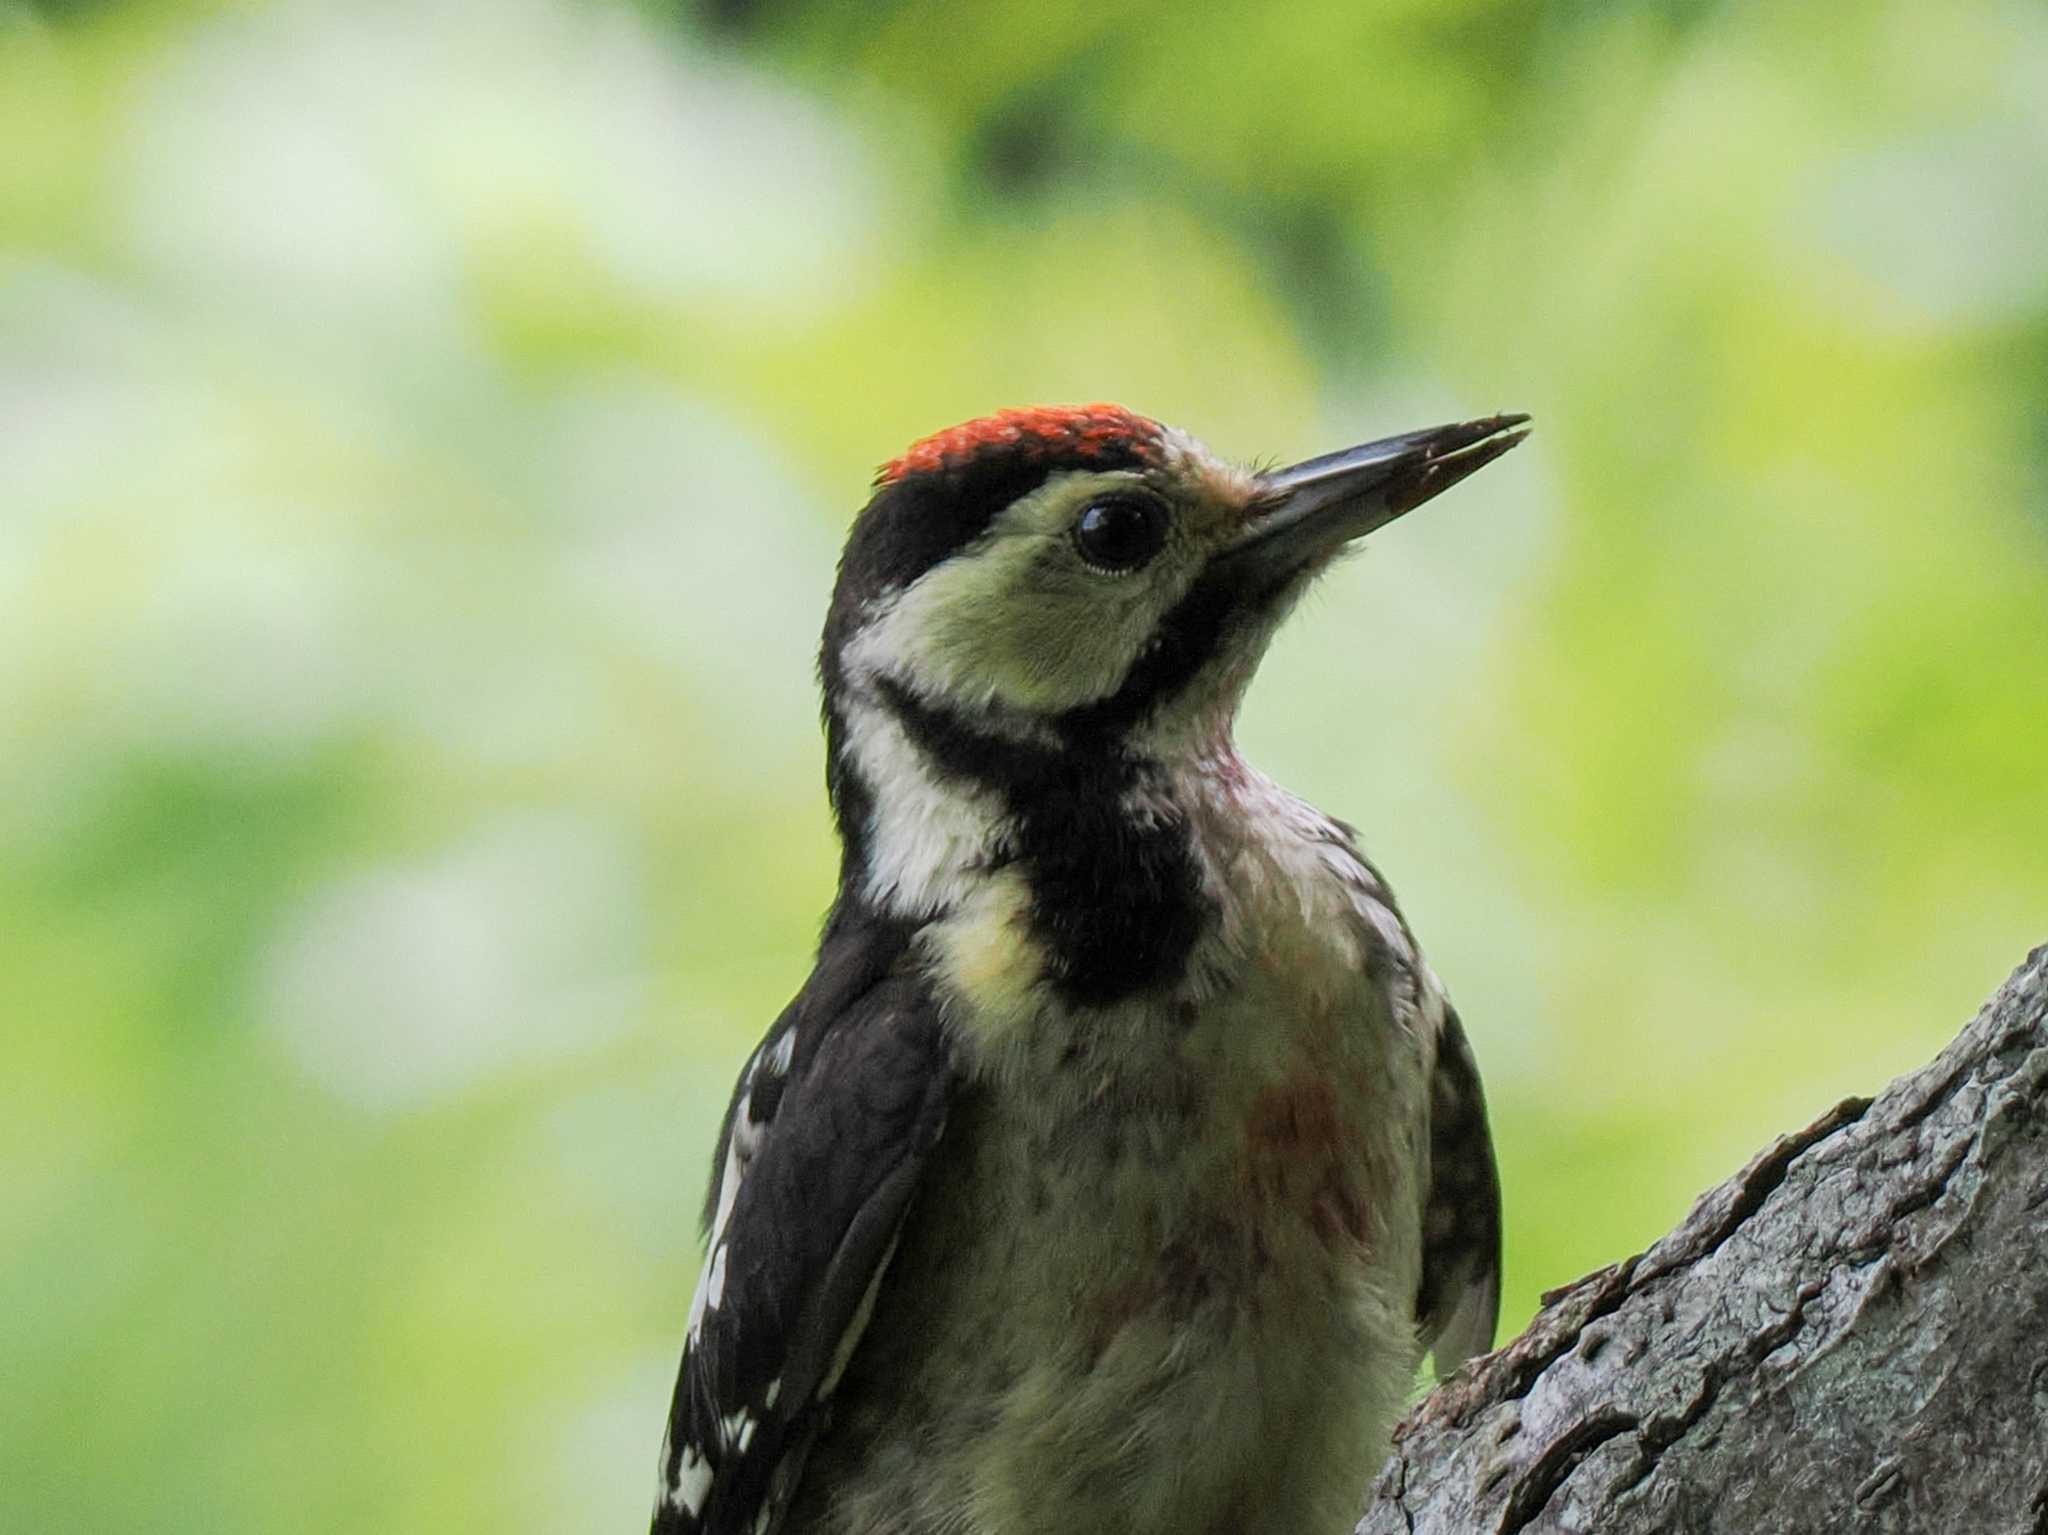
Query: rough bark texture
[{"x": 1851, "y": 1334}]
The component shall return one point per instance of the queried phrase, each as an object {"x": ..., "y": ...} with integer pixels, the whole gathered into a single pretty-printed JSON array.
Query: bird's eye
[{"x": 1121, "y": 532}]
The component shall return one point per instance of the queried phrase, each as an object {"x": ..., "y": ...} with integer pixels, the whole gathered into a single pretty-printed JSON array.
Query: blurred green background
[{"x": 426, "y": 430}]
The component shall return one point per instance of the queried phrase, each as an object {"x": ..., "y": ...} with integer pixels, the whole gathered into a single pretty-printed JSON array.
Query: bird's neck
[{"x": 934, "y": 807}]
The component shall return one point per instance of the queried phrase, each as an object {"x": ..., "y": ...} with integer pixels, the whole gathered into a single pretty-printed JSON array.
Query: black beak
[{"x": 1310, "y": 510}]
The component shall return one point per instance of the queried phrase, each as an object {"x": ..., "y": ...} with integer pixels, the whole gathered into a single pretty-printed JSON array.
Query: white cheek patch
[
  {"x": 1006, "y": 627},
  {"x": 1018, "y": 620},
  {"x": 929, "y": 835}
]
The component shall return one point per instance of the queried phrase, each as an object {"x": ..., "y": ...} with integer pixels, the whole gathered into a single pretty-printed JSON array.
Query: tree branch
[{"x": 1849, "y": 1334}]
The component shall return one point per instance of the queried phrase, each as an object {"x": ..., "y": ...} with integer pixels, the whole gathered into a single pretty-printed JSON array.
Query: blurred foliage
[{"x": 425, "y": 433}]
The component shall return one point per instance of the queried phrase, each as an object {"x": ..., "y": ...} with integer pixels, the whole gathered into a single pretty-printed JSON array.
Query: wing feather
[
  {"x": 1457, "y": 1305},
  {"x": 831, "y": 1125}
]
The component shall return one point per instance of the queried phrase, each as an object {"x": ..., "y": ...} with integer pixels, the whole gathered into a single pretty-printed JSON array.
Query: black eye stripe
[{"x": 1120, "y": 532}]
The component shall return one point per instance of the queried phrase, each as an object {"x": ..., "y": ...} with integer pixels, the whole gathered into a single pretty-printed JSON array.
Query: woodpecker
[{"x": 1122, "y": 1156}]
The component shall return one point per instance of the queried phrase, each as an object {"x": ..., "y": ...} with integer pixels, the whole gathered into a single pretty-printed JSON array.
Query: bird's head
[{"x": 1087, "y": 587}]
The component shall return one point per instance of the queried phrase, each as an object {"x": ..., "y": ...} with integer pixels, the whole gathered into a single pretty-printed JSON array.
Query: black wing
[
  {"x": 1458, "y": 1303},
  {"x": 830, "y": 1127}
]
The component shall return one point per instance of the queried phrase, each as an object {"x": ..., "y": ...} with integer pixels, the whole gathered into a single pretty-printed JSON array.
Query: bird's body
[
  {"x": 1122, "y": 1155},
  {"x": 1167, "y": 1203}
]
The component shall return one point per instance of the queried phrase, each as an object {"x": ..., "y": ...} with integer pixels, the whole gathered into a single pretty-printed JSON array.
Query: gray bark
[{"x": 1851, "y": 1334}]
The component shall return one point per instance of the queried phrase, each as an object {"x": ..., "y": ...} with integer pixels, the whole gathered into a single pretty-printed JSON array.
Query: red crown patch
[{"x": 1082, "y": 433}]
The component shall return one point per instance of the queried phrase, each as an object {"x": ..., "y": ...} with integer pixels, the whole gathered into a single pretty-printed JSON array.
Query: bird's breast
[
  {"x": 1242, "y": 1149},
  {"x": 1166, "y": 1261},
  {"x": 1175, "y": 1271}
]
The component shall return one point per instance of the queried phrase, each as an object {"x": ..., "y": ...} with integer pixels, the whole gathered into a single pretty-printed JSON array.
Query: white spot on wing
[
  {"x": 697, "y": 1308},
  {"x": 739, "y": 1150},
  {"x": 692, "y": 1484},
  {"x": 710, "y": 1291},
  {"x": 843, "y": 1354},
  {"x": 784, "y": 1051}
]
